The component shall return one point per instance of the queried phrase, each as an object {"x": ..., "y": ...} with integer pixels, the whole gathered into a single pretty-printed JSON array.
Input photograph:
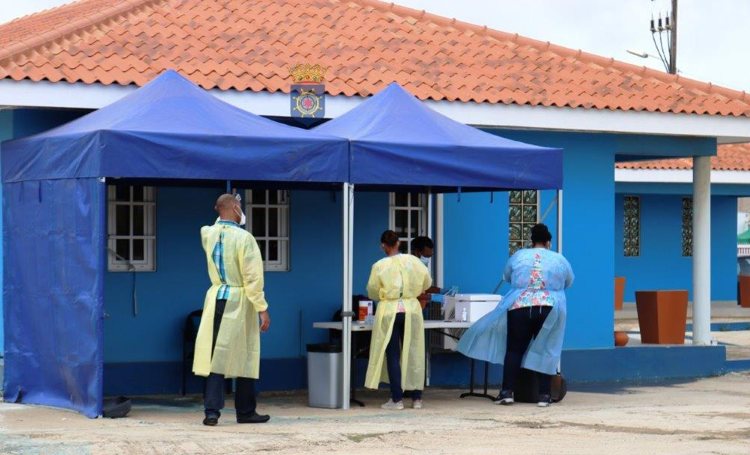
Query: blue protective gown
[{"x": 487, "y": 339}]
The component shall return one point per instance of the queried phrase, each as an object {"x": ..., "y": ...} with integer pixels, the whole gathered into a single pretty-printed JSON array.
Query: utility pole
[
  {"x": 673, "y": 40},
  {"x": 666, "y": 27}
]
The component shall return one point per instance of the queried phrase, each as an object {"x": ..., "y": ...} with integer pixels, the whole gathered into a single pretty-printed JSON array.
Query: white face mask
[
  {"x": 243, "y": 218},
  {"x": 426, "y": 261}
]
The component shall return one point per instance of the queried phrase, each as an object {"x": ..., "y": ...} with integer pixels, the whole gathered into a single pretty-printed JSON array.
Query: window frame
[
  {"x": 420, "y": 208},
  {"x": 114, "y": 263},
  {"x": 283, "y": 264}
]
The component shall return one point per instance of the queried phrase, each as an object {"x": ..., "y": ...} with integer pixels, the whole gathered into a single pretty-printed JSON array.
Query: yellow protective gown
[
  {"x": 237, "y": 351},
  {"x": 401, "y": 276}
]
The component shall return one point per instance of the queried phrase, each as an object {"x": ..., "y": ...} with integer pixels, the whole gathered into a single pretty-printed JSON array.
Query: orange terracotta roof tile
[
  {"x": 730, "y": 157},
  {"x": 240, "y": 45}
]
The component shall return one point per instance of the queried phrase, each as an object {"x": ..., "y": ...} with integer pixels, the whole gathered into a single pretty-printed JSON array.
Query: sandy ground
[{"x": 704, "y": 416}]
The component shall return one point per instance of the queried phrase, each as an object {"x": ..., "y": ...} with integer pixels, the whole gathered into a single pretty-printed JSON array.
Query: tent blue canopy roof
[
  {"x": 172, "y": 129},
  {"x": 398, "y": 141}
]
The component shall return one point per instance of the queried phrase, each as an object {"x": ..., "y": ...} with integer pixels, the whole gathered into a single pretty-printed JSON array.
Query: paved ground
[{"x": 704, "y": 416}]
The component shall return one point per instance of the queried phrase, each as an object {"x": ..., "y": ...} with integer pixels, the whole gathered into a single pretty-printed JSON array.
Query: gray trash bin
[{"x": 324, "y": 370}]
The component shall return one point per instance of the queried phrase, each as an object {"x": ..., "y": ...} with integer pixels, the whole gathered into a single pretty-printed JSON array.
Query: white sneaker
[
  {"x": 505, "y": 398},
  {"x": 416, "y": 404},
  {"x": 393, "y": 406}
]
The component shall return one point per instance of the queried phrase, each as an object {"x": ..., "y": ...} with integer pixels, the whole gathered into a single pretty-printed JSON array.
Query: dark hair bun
[{"x": 540, "y": 234}]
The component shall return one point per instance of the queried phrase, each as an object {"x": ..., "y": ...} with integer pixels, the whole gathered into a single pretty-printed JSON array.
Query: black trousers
[
  {"x": 524, "y": 325},
  {"x": 244, "y": 393},
  {"x": 393, "y": 361}
]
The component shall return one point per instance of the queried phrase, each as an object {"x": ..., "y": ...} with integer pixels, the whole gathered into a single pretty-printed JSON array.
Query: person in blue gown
[{"x": 527, "y": 327}]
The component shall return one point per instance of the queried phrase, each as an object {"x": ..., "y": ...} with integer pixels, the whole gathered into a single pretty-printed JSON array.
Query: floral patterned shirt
[{"x": 536, "y": 293}]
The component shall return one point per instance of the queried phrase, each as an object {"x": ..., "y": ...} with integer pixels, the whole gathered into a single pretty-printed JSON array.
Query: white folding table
[{"x": 428, "y": 325}]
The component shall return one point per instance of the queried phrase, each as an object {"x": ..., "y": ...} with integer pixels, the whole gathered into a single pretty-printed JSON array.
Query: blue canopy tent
[
  {"x": 55, "y": 203},
  {"x": 397, "y": 142},
  {"x": 55, "y": 241}
]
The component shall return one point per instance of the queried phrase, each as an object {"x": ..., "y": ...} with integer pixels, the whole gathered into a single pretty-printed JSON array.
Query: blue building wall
[
  {"x": 476, "y": 261},
  {"x": 310, "y": 291},
  {"x": 139, "y": 348},
  {"x": 476, "y": 238},
  {"x": 32, "y": 121},
  {"x": 661, "y": 264}
]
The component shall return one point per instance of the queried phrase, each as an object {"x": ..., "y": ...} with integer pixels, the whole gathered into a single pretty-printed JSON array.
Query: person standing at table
[
  {"x": 423, "y": 249},
  {"x": 527, "y": 327},
  {"x": 397, "y": 350},
  {"x": 228, "y": 340}
]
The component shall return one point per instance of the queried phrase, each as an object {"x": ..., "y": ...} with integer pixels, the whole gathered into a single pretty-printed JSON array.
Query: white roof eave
[
  {"x": 727, "y": 129},
  {"x": 679, "y": 176}
]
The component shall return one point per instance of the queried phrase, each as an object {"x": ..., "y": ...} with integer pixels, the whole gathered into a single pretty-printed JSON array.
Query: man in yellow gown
[
  {"x": 228, "y": 340},
  {"x": 398, "y": 332}
]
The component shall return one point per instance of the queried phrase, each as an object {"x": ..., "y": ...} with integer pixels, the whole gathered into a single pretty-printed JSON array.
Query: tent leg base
[{"x": 478, "y": 395}]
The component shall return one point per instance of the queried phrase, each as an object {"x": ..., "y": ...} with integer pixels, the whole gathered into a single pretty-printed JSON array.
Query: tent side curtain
[{"x": 54, "y": 257}]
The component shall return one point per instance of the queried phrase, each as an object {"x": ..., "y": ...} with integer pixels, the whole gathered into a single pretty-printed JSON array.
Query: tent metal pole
[
  {"x": 439, "y": 216},
  {"x": 350, "y": 279},
  {"x": 429, "y": 213},
  {"x": 559, "y": 237},
  {"x": 346, "y": 308},
  {"x": 560, "y": 221}
]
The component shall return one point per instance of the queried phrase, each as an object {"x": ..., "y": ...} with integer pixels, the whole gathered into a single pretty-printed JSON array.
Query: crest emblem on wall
[{"x": 307, "y": 93}]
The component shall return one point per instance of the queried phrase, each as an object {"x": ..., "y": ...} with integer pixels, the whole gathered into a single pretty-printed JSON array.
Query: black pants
[
  {"x": 244, "y": 393},
  {"x": 524, "y": 325},
  {"x": 393, "y": 359}
]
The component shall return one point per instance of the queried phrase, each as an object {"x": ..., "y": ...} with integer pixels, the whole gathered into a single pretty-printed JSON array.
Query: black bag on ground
[
  {"x": 527, "y": 387},
  {"x": 115, "y": 408}
]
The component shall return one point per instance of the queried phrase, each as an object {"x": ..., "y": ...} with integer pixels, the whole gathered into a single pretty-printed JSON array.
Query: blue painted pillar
[{"x": 588, "y": 243}]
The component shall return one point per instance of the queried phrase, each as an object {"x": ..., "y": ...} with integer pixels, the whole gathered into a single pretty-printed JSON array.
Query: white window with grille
[
  {"x": 408, "y": 217},
  {"x": 131, "y": 228},
  {"x": 267, "y": 214}
]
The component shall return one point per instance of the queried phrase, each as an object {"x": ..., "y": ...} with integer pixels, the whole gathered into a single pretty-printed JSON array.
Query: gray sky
[{"x": 713, "y": 40}]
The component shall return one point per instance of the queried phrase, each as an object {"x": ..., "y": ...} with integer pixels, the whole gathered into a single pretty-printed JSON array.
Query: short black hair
[
  {"x": 421, "y": 242},
  {"x": 389, "y": 238},
  {"x": 540, "y": 234}
]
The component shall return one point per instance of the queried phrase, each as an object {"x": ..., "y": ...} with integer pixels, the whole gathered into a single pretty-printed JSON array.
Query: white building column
[{"x": 702, "y": 250}]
